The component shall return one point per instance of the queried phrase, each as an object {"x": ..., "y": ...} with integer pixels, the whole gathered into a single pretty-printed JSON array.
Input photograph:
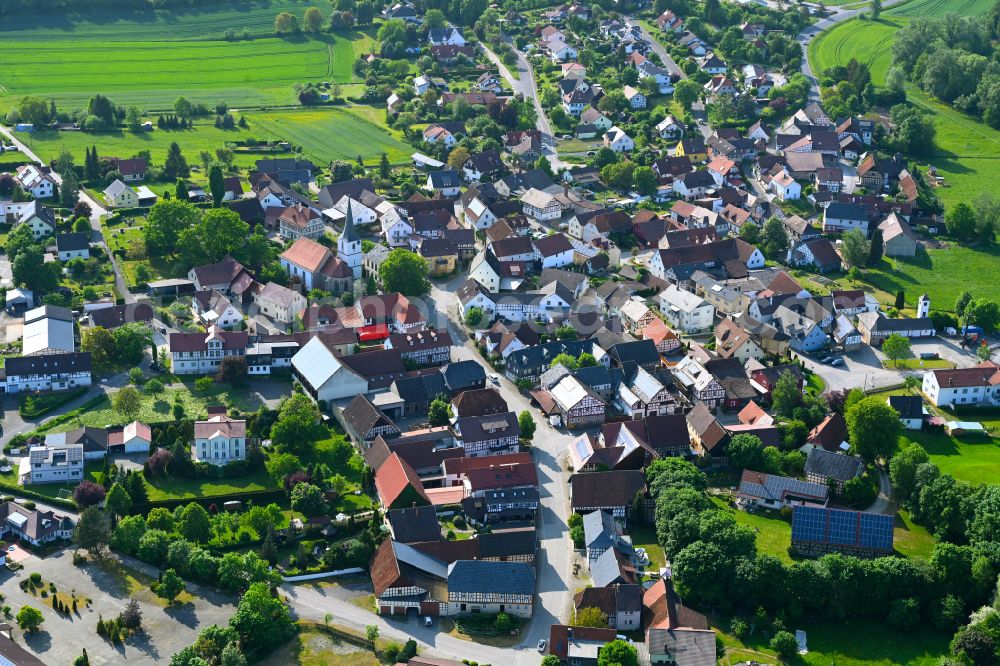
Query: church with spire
[{"x": 349, "y": 244}]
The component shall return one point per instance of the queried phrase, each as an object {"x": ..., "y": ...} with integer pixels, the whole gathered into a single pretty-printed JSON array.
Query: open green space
[
  {"x": 941, "y": 273},
  {"x": 645, "y": 537},
  {"x": 843, "y": 644},
  {"x": 339, "y": 133},
  {"x": 966, "y": 151},
  {"x": 774, "y": 533},
  {"x": 971, "y": 458},
  {"x": 325, "y": 134},
  {"x": 150, "y": 57},
  {"x": 317, "y": 645},
  {"x": 157, "y": 408},
  {"x": 181, "y": 488},
  {"x": 910, "y": 539}
]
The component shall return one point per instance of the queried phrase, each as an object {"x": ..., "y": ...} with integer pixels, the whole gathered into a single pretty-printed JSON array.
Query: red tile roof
[{"x": 393, "y": 477}]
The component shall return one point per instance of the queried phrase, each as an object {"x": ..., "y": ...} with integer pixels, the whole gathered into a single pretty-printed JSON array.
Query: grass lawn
[
  {"x": 910, "y": 539},
  {"x": 326, "y": 134},
  {"x": 815, "y": 384},
  {"x": 973, "y": 458},
  {"x": 159, "y": 55},
  {"x": 54, "y": 490},
  {"x": 327, "y": 451},
  {"x": 846, "y": 644},
  {"x": 942, "y": 273},
  {"x": 333, "y": 133},
  {"x": 645, "y": 537},
  {"x": 774, "y": 534},
  {"x": 170, "y": 488},
  {"x": 918, "y": 364},
  {"x": 315, "y": 646},
  {"x": 157, "y": 408}
]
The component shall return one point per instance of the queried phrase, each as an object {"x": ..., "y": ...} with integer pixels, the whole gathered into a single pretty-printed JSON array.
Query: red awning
[{"x": 374, "y": 332}]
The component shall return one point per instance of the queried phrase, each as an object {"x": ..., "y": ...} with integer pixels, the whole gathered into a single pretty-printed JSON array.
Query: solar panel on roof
[{"x": 840, "y": 527}]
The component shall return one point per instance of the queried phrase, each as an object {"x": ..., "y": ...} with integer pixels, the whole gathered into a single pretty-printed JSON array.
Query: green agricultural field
[
  {"x": 338, "y": 133},
  {"x": 151, "y": 57},
  {"x": 325, "y": 134},
  {"x": 966, "y": 151}
]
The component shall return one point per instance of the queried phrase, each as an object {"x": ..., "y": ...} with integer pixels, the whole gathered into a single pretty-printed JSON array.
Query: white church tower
[
  {"x": 349, "y": 245},
  {"x": 924, "y": 306}
]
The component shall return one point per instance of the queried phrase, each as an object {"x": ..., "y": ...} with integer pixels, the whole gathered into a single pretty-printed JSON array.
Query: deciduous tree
[
  {"x": 405, "y": 272},
  {"x": 873, "y": 427},
  {"x": 127, "y": 402}
]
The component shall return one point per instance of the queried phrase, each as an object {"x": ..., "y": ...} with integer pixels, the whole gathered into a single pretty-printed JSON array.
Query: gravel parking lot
[{"x": 109, "y": 588}]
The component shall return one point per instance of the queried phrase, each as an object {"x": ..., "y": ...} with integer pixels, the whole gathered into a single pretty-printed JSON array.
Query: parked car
[
  {"x": 428, "y": 621},
  {"x": 495, "y": 379},
  {"x": 837, "y": 362},
  {"x": 542, "y": 643}
]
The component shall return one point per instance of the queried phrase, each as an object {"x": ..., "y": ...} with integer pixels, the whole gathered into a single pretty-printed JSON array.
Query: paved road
[
  {"x": 550, "y": 445},
  {"x": 526, "y": 86}
]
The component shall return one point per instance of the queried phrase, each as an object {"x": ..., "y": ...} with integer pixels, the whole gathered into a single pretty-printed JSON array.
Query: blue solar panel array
[{"x": 842, "y": 528}]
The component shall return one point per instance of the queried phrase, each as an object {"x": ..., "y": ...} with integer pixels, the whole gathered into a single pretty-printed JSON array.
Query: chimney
[{"x": 566, "y": 188}]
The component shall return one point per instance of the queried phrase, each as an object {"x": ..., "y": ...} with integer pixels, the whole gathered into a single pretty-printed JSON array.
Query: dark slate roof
[
  {"x": 47, "y": 364},
  {"x": 833, "y": 465},
  {"x": 641, "y": 352},
  {"x": 415, "y": 524},
  {"x": 474, "y": 428},
  {"x": 74, "y": 241},
  {"x": 442, "y": 179},
  {"x": 908, "y": 406},
  {"x": 463, "y": 375},
  {"x": 473, "y": 576},
  {"x": 421, "y": 388},
  {"x": 117, "y": 315},
  {"x": 507, "y": 543},
  {"x": 612, "y": 489}
]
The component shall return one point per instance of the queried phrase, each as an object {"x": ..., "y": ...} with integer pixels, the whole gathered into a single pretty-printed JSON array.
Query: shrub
[
  {"x": 390, "y": 654},
  {"x": 784, "y": 644},
  {"x": 36, "y": 579},
  {"x": 740, "y": 629},
  {"x": 408, "y": 652}
]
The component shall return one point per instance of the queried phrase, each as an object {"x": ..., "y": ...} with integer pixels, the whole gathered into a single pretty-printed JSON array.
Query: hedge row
[{"x": 21, "y": 491}]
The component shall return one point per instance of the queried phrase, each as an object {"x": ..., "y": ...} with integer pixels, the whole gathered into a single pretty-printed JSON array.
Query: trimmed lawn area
[
  {"x": 774, "y": 534},
  {"x": 918, "y": 364},
  {"x": 331, "y": 452},
  {"x": 333, "y": 133},
  {"x": 157, "y": 408},
  {"x": 974, "y": 458},
  {"x": 847, "y": 644},
  {"x": 645, "y": 537},
  {"x": 910, "y": 539},
  {"x": 170, "y": 488},
  {"x": 942, "y": 273},
  {"x": 54, "y": 490},
  {"x": 212, "y": 53}
]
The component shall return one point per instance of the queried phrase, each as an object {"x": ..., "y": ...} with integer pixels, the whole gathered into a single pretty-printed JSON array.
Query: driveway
[{"x": 167, "y": 630}]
